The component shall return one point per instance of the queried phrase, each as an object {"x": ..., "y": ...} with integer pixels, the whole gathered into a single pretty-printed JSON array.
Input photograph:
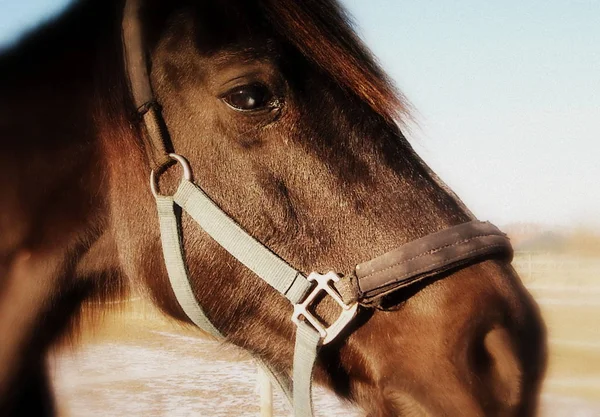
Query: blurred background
[{"x": 507, "y": 112}]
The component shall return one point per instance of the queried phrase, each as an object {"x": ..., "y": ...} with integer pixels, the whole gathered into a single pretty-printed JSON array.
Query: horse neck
[{"x": 51, "y": 162}]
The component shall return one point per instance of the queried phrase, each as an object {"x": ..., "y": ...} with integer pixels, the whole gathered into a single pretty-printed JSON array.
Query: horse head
[{"x": 292, "y": 129}]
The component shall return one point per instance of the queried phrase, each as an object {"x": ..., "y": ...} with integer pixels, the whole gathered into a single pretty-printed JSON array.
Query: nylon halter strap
[{"x": 366, "y": 285}]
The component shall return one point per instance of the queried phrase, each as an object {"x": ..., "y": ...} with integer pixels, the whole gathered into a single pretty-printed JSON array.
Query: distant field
[
  {"x": 141, "y": 364},
  {"x": 567, "y": 289}
]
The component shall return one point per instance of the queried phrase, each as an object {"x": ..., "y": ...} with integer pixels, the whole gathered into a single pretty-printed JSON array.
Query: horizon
[{"x": 507, "y": 97}]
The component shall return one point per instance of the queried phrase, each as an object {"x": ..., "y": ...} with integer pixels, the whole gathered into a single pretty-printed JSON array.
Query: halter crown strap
[{"x": 158, "y": 143}]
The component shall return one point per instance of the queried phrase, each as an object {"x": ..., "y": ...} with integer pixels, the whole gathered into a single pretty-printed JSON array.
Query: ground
[{"x": 140, "y": 364}]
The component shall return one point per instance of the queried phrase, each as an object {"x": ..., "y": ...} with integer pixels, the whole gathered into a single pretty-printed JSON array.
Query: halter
[{"x": 370, "y": 281}]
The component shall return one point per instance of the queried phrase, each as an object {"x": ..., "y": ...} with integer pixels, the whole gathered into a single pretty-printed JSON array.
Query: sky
[{"x": 506, "y": 96}]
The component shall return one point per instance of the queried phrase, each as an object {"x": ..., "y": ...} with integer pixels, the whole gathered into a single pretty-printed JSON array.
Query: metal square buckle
[{"x": 323, "y": 284}]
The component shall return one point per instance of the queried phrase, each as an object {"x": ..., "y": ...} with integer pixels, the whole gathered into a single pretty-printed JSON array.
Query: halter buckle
[{"x": 323, "y": 284}]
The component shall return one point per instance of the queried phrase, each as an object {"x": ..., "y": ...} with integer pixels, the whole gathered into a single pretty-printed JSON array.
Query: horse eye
[{"x": 250, "y": 97}]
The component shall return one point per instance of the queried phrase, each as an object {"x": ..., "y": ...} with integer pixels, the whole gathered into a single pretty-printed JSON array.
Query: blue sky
[
  {"x": 508, "y": 99},
  {"x": 507, "y": 96}
]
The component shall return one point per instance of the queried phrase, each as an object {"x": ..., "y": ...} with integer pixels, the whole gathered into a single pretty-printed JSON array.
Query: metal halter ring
[{"x": 187, "y": 173}]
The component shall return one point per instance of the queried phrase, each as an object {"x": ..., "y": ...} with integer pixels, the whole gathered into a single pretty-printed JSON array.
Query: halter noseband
[{"x": 366, "y": 286}]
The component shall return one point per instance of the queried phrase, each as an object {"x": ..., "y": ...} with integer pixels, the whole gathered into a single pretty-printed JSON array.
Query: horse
[{"x": 293, "y": 130}]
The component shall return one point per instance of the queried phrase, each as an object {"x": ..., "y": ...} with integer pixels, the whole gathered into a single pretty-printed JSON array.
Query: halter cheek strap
[
  {"x": 272, "y": 269},
  {"x": 180, "y": 283}
]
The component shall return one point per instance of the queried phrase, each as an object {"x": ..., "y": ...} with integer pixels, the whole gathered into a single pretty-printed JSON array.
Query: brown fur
[{"x": 326, "y": 180}]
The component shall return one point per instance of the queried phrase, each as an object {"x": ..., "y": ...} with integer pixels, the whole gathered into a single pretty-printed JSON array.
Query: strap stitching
[
  {"x": 408, "y": 274},
  {"x": 429, "y": 252}
]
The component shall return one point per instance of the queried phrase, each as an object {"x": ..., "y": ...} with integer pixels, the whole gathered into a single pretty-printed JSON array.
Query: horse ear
[{"x": 506, "y": 373}]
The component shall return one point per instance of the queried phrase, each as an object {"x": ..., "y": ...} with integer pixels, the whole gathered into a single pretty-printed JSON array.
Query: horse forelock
[{"x": 323, "y": 32}]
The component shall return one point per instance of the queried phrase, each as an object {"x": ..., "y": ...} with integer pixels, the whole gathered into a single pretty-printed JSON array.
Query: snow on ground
[{"x": 166, "y": 373}]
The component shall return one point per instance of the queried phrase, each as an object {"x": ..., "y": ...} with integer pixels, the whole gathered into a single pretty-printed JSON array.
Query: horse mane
[{"x": 323, "y": 32}]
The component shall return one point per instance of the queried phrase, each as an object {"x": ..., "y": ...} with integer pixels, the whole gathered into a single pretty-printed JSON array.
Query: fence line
[{"x": 536, "y": 264}]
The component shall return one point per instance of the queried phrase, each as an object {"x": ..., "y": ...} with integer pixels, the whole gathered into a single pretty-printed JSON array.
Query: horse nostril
[
  {"x": 505, "y": 370},
  {"x": 495, "y": 361}
]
